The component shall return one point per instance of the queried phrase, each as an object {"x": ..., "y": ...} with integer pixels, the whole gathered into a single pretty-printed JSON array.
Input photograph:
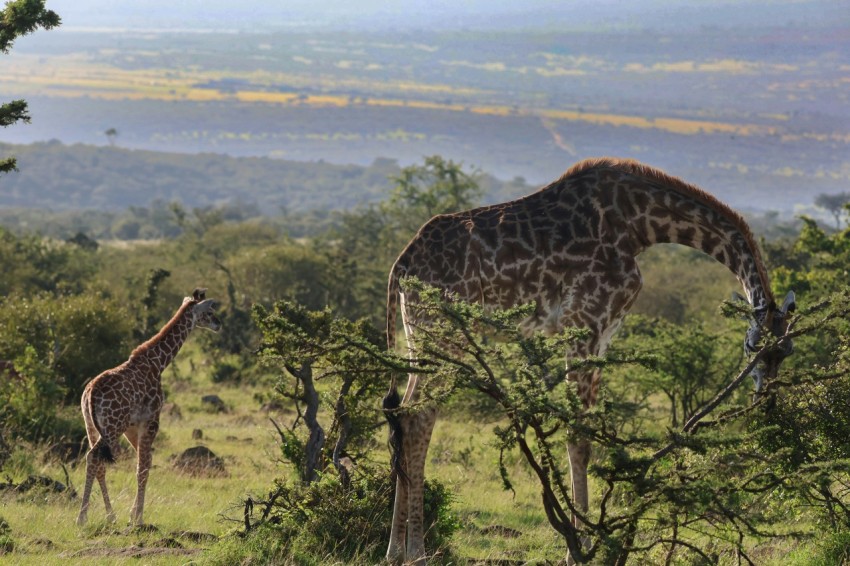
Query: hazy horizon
[
  {"x": 747, "y": 99},
  {"x": 381, "y": 15}
]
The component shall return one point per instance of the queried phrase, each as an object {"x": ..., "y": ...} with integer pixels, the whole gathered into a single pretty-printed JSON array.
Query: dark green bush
[
  {"x": 28, "y": 399},
  {"x": 76, "y": 337},
  {"x": 325, "y": 521}
]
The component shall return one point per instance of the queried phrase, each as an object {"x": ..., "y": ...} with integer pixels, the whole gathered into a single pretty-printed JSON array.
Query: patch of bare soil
[{"x": 133, "y": 551}]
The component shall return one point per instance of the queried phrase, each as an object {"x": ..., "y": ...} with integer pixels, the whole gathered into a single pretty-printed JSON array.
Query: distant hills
[{"x": 59, "y": 177}]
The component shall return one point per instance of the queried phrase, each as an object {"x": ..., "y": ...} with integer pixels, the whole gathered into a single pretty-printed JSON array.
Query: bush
[
  {"x": 325, "y": 521},
  {"x": 28, "y": 399},
  {"x": 76, "y": 337}
]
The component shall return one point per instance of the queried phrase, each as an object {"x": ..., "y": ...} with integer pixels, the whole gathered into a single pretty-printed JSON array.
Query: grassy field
[{"x": 187, "y": 515}]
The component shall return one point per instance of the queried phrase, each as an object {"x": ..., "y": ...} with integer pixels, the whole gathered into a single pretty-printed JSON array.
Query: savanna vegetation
[{"x": 300, "y": 471}]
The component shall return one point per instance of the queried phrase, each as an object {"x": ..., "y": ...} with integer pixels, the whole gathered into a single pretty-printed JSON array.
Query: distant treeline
[
  {"x": 113, "y": 193},
  {"x": 59, "y": 177}
]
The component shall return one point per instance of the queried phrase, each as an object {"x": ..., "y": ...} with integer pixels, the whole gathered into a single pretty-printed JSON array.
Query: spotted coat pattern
[
  {"x": 570, "y": 248},
  {"x": 127, "y": 400}
]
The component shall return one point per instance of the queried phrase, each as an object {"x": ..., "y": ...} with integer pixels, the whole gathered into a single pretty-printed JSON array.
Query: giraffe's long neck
[
  {"x": 666, "y": 210},
  {"x": 160, "y": 350}
]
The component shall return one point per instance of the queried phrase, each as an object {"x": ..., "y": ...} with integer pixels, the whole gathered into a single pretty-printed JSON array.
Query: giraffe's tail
[
  {"x": 101, "y": 451},
  {"x": 392, "y": 400}
]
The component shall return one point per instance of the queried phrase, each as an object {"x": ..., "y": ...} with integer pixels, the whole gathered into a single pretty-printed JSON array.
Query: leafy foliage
[
  {"x": 18, "y": 18},
  {"x": 328, "y": 520},
  {"x": 690, "y": 364},
  {"x": 662, "y": 491},
  {"x": 76, "y": 337},
  {"x": 336, "y": 511},
  {"x": 315, "y": 346}
]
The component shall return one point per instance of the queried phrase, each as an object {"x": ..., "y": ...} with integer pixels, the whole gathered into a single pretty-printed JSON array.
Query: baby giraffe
[{"x": 127, "y": 400}]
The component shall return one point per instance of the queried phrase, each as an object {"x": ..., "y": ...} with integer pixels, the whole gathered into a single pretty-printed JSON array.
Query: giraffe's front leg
[
  {"x": 579, "y": 452},
  {"x": 145, "y": 458}
]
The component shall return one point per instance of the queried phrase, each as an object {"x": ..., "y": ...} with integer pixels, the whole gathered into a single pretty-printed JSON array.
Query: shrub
[
  {"x": 76, "y": 337},
  {"x": 28, "y": 399},
  {"x": 325, "y": 521}
]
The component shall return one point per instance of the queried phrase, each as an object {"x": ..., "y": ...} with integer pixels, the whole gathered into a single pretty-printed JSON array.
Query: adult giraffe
[
  {"x": 571, "y": 248},
  {"x": 127, "y": 400}
]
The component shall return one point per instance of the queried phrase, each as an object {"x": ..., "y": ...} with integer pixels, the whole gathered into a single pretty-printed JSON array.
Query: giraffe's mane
[
  {"x": 670, "y": 182},
  {"x": 145, "y": 346}
]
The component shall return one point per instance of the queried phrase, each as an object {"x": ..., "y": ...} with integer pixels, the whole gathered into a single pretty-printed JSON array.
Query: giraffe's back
[
  {"x": 555, "y": 247},
  {"x": 124, "y": 396}
]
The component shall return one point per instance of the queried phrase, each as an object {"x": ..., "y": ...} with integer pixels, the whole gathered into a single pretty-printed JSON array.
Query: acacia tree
[
  {"x": 835, "y": 204},
  {"x": 18, "y": 18},
  {"x": 702, "y": 488},
  {"x": 367, "y": 240},
  {"x": 705, "y": 489}
]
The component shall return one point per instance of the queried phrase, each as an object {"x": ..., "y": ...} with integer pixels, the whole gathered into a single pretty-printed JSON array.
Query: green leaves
[{"x": 20, "y": 17}]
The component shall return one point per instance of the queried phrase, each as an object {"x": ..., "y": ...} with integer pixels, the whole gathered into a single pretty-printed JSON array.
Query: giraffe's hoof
[
  {"x": 110, "y": 517},
  {"x": 81, "y": 520}
]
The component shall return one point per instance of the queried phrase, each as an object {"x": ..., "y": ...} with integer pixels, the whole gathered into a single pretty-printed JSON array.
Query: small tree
[
  {"x": 111, "y": 134},
  {"x": 312, "y": 346},
  {"x": 333, "y": 370},
  {"x": 19, "y": 18},
  {"x": 691, "y": 364},
  {"x": 835, "y": 204}
]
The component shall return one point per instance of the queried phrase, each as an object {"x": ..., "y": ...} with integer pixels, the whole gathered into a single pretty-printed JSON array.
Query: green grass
[
  {"x": 496, "y": 525},
  {"x": 43, "y": 525}
]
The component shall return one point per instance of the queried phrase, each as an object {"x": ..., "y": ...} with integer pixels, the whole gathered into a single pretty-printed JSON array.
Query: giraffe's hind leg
[
  {"x": 101, "y": 480},
  {"x": 398, "y": 531},
  {"x": 96, "y": 459},
  {"x": 91, "y": 472},
  {"x": 418, "y": 435}
]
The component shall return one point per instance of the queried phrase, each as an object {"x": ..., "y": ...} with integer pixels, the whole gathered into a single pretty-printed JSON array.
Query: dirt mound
[
  {"x": 42, "y": 483},
  {"x": 200, "y": 461},
  {"x": 213, "y": 403}
]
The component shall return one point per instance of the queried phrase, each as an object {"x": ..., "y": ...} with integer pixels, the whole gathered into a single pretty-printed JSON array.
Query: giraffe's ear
[
  {"x": 790, "y": 303},
  {"x": 199, "y": 294}
]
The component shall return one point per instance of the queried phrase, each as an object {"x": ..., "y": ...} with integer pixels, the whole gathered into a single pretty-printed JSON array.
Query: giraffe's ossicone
[
  {"x": 127, "y": 400},
  {"x": 570, "y": 248}
]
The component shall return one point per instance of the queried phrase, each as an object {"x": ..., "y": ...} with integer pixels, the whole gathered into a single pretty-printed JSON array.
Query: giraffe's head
[
  {"x": 775, "y": 320},
  {"x": 203, "y": 311}
]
